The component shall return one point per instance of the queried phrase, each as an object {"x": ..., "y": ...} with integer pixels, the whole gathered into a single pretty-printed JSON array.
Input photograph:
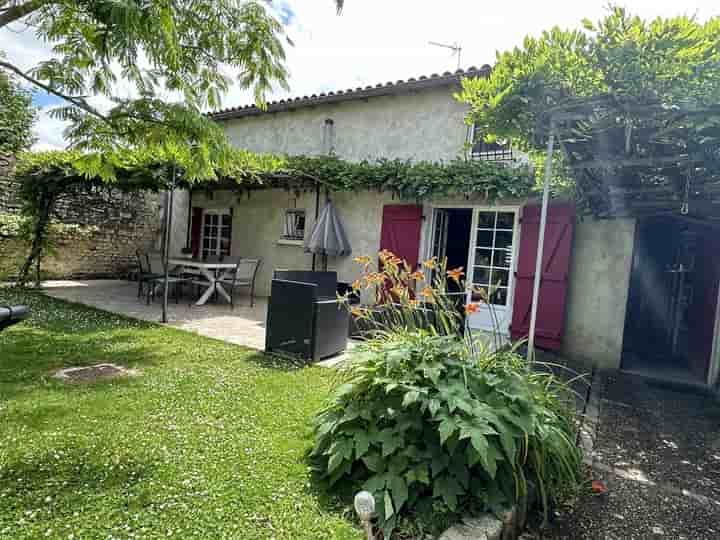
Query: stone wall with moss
[{"x": 95, "y": 235}]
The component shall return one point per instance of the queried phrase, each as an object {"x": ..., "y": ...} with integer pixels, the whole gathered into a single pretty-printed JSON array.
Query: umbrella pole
[
  {"x": 317, "y": 213},
  {"x": 168, "y": 223}
]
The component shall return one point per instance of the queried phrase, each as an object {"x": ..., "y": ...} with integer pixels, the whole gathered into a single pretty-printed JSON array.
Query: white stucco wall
[
  {"x": 597, "y": 297},
  {"x": 257, "y": 226},
  {"x": 426, "y": 125}
]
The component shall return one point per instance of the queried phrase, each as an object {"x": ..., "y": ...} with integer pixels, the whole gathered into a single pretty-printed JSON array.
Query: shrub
[
  {"x": 423, "y": 425},
  {"x": 433, "y": 421}
]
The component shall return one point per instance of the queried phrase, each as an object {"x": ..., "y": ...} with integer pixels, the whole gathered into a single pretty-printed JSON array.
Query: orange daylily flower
[
  {"x": 427, "y": 292},
  {"x": 456, "y": 274},
  {"x": 385, "y": 255},
  {"x": 374, "y": 278},
  {"x": 417, "y": 275},
  {"x": 430, "y": 263},
  {"x": 471, "y": 308},
  {"x": 362, "y": 259},
  {"x": 357, "y": 285}
]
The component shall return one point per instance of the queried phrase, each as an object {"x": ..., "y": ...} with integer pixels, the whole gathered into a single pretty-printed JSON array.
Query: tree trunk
[{"x": 38, "y": 241}]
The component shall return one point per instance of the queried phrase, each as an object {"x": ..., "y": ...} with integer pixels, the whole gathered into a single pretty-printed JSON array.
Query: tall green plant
[{"x": 433, "y": 421}]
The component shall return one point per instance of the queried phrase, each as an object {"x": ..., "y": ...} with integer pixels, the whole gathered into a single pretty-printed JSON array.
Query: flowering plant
[{"x": 431, "y": 296}]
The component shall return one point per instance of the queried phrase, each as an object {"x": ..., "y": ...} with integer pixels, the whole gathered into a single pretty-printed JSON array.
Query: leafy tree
[
  {"x": 669, "y": 62},
  {"x": 16, "y": 117},
  {"x": 179, "y": 48}
]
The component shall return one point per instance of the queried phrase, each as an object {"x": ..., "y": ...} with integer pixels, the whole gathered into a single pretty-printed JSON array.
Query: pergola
[{"x": 632, "y": 158}]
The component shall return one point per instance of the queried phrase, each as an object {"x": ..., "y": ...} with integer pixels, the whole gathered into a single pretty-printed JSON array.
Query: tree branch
[
  {"x": 18, "y": 11},
  {"x": 77, "y": 101}
]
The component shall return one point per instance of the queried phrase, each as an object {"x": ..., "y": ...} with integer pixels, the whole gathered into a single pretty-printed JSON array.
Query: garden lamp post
[{"x": 365, "y": 508}]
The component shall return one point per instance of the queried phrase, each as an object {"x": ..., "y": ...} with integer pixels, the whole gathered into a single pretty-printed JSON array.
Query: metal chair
[
  {"x": 243, "y": 275},
  {"x": 177, "y": 278},
  {"x": 144, "y": 272}
]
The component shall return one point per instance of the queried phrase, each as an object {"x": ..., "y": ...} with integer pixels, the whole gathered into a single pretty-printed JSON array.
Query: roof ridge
[{"x": 334, "y": 96}]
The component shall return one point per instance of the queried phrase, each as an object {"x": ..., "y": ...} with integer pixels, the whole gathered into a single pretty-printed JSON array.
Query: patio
[{"x": 244, "y": 325}]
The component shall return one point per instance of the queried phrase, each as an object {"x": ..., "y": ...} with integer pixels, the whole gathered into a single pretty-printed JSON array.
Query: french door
[
  {"x": 216, "y": 233},
  {"x": 491, "y": 265}
]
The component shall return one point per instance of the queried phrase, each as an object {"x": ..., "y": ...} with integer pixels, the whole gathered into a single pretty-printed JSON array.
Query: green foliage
[
  {"x": 177, "y": 58},
  {"x": 645, "y": 88},
  {"x": 150, "y": 169},
  {"x": 671, "y": 61},
  {"x": 426, "y": 424},
  {"x": 16, "y": 117}
]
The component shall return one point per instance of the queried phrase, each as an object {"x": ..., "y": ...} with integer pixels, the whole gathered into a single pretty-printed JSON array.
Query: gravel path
[{"x": 657, "y": 450}]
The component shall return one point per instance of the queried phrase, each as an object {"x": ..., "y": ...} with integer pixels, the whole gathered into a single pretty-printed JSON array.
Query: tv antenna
[{"x": 455, "y": 48}]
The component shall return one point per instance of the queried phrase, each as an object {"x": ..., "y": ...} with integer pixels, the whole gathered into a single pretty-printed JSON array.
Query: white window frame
[
  {"x": 220, "y": 212},
  {"x": 284, "y": 237},
  {"x": 427, "y": 248}
]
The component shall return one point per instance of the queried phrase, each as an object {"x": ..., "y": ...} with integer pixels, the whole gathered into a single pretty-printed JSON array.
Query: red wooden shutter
[
  {"x": 555, "y": 270},
  {"x": 400, "y": 233},
  {"x": 195, "y": 229}
]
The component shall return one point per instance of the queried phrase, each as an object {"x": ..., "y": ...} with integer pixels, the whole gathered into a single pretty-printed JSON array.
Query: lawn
[{"x": 207, "y": 442}]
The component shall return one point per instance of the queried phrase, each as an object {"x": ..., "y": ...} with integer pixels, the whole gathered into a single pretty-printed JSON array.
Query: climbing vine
[{"x": 45, "y": 178}]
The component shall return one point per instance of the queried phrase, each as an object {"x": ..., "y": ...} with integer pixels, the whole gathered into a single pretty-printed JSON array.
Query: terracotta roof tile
[{"x": 413, "y": 83}]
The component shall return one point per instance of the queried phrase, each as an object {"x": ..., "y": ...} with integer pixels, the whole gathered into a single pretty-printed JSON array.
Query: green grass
[{"x": 208, "y": 442}]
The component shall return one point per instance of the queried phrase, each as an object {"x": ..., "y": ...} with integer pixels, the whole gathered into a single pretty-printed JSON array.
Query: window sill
[{"x": 286, "y": 242}]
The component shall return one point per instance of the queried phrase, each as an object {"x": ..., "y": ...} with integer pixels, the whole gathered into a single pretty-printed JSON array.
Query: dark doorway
[
  {"x": 451, "y": 237},
  {"x": 672, "y": 300}
]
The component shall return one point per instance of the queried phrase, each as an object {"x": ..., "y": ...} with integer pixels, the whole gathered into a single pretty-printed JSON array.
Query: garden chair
[
  {"x": 243, "y": 275},
  {"x": 144, "y": 270}
]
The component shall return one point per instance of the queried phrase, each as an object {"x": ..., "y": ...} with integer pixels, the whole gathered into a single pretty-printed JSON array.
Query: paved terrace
[{"x": 243, "y": 325}]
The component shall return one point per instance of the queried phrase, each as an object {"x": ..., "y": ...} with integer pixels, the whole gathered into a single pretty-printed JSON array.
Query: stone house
[{"x": 593, "y": 303}]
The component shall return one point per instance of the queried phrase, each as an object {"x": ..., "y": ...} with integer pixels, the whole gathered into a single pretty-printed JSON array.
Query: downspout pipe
[{"x": 541, "y": 244}]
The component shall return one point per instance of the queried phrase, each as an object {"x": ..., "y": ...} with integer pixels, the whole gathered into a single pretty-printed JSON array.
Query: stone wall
[{"x": 95, "y": 235}]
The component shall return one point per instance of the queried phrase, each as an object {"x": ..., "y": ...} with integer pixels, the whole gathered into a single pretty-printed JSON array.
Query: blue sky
[
  {"x": 42, "y": 99},
  {"x": 380, "y": 40}
]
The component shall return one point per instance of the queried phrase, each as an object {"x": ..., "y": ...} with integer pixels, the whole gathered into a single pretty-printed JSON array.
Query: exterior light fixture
[{"x": 365, "y": 508}]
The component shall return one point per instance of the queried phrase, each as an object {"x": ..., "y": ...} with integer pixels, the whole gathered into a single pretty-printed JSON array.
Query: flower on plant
[
  {"x": 363, "y": 260},
  {"x": 456, "y": 274},
  {"x": 385, "y": 255},
  {"x": 375, "y": 278},
  {"x": 399, "y": 291},
  {"x": 417, "y": 275},
  {"x": 427, "y": 293},
  {"x": 357, "y": 285},
  {"x": 357, "y": 312},
  {"x": 471, "y": 308},
  {"x": 430, "y": 263}
]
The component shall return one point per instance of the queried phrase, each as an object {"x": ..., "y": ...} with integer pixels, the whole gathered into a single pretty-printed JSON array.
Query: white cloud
[
  {"x": 49, "y": 132},
  {"x": 380, "y": 40}
]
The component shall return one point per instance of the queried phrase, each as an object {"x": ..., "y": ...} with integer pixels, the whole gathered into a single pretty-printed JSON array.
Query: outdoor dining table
[{"x": 212, "y": 271}]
